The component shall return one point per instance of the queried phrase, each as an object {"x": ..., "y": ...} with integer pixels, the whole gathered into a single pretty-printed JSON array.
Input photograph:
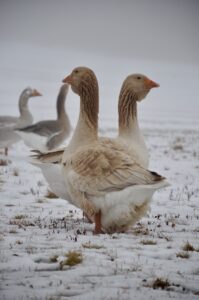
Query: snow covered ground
[{"x": 157, "y": 258}]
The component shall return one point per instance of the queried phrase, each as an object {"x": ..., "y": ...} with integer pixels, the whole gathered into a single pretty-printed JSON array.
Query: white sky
[{"x": 148, "y": 29}]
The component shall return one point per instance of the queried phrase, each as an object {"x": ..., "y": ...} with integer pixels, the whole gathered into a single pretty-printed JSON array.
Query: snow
[{"x": 36, "y": 232}]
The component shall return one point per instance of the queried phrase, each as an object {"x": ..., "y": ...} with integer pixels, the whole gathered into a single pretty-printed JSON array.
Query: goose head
[
  {"x": 24, "y": 97},
  {"x": 81, "y": 79},
  {"x": 84, "y": 83},
  {"x": 29, "y": 92},
  {"x": 139, "y": 85}
]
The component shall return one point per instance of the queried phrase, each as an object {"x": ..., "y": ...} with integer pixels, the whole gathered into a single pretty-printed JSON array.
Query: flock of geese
[{"x": 108, "y": 178}]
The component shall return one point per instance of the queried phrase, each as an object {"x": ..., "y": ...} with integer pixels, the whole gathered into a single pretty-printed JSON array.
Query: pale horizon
[{"x": 154, "y": 30}]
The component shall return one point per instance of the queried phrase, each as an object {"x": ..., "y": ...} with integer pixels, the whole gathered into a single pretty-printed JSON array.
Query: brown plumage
[
  {"x": 54, "y": 157},
  {"x": 95, "y": 170}
]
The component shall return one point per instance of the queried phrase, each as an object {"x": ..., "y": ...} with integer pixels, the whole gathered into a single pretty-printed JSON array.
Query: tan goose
[
  {"x": 101, "y": 175},
  {"x": 134, "y": 88},
  {"x": 9, "y": 123},
  {"x": 49, "y": 134}
]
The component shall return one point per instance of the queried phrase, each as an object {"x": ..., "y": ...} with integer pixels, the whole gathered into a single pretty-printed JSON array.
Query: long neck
[
  {"x": 86, "y": 130},
  {"x": 127, "y": 110},
  {"x": 129, "y": 129},
  {"x": 61, "y": 113},
  {"x": 25, "y": 114}
]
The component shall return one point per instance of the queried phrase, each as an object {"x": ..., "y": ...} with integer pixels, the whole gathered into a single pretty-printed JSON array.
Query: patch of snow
[{"x": 37, "y": 232}]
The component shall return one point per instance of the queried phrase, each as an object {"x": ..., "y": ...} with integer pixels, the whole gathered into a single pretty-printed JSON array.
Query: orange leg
[{"x": 98, "y": 225}]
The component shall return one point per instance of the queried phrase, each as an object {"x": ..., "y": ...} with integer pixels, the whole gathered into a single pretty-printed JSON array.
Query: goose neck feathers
[
  {"x": 23, "y": 100},
  {"x": 61, "y": 98},
  {"x": 84, "y": 83},
  {"x": 89, "y": 95},
  {"x": 127, "y": 107}
]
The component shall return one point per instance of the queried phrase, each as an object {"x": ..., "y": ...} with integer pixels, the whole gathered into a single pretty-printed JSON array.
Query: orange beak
[
  {"x": 151, "y": 84},
  {"x": 35, "y": 93},
  {"x": 68, "y": 79}
]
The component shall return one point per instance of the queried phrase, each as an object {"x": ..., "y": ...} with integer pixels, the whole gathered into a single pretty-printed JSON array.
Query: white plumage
[{"x": 96, "y": 173}]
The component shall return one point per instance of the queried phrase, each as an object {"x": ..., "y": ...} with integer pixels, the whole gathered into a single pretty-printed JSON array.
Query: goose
[
  {"x": 134, "y": 89},
  {"x": 9, "y": 123},
  {"x": 49, "y": 134},
  {"x": 101, "y": 175}
]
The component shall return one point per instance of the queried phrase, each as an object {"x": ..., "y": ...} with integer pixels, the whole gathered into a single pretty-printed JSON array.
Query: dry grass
[
  {"x": 188, "y": 247},
  {"x": 14, "y": 231},
  {"x": 196, "y": 293},
  {"x": 160, "y": 283},
  {"x": 53, "y": 258},
  {"x": 31, "y": 250},
  {"x": 19, "y": 242},
  {"x": 51, "y": 195},
  {"x": 140, "y": 230},
  {"x": 183, "y": 254},
  {"x": 19, "y": 217},
  {"x": 41, "y": 200},
  {"x": 73, "y": 258},
  {"x": 148, "y": 242},
  {"x": 4, "y": 162},
  {"x": 15, "y": 172},
  {"x": 178, "y": 147},
  {"x": 92, "y": 246},
  {"x": 20, "y": 221}
]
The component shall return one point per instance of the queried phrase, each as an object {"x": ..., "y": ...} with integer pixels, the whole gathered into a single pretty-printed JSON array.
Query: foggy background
[
  {"x": 149, "y": 29},
  {"x": 41, "y": 41}
]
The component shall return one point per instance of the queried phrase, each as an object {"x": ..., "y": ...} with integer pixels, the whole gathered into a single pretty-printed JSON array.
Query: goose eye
[
  {"x": 138, "y": 77},
  {"x": 76, "y": 71}
]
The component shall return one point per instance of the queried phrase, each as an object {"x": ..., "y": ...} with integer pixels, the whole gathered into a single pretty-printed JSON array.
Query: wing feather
[
  {"x": 103, "y": 168},
  {"x": 54, "y": 157}
]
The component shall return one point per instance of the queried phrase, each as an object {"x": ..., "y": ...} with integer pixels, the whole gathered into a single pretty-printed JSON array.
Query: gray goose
[
  {"x": 49, "y": 134},
  {"x": 9, "y": 123}
]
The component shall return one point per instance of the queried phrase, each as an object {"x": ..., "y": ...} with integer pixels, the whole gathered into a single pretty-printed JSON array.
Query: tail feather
[
  {"x": 156, "y": 176},
  {"x": 54, "y": 157}
]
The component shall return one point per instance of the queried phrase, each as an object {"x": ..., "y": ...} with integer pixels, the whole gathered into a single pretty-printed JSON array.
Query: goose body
[
  {"x": 104, "y": 178},
  {"x": 8, "y": 124},
  {"x": 40, "y": 135},
  {"x": 8, "y": 121},
  {"x": 102, "y": 175},
  {"x": 117, "y": 215},
  {"x": 49, "y": 134},
  {"x": 120, "y": 200},
  {"x": 133, "y": 90},
  {"x": 50, "y": 165}
]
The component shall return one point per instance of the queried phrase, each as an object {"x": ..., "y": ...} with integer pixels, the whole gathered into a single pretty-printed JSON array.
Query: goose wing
[
  {"x": 53, "y": 157},
  {"x": 8, "y": 121},
  {"x": 101, "y": 168},
  {"x": 43, "y": 128}
]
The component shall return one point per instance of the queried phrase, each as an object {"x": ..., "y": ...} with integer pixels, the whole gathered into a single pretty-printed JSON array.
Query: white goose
[
  {"x": 49, "y": 134},
  {"x": 9, "y": 123},
  {"x": 134, "y": 89},
  {"x": 101, "y": 175}
]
